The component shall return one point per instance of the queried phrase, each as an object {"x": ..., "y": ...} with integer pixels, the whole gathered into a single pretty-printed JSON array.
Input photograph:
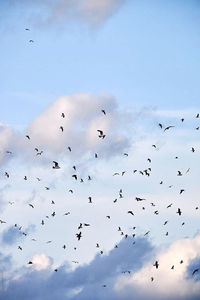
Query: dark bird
[
  {"x": 179, "y": 211},
  {"x": 63, "y": 115},
  {"x": 56, "y": 165},
  {"x": 62, "y": 129},
  {"x": 96, "y": 156},
  {"x": 30, "y": 263},
  {"x": 67, "y": 213},
  {"x": 168, "y": 127},
  {"x": 103, "y": 111},
  {"x": 181, "y": 191},
  {"x": 156, "y": 264},
  {"x": 74, "y": 176},
  {"x": 31, "y": 41},
  {"x": 28, "y": 137},
  {"x": 192, "y": 149},
  {"x": 7, "y": 175},
  {"x": 139, "y": 199},
  {"x": 160, "y": 125},
  {"x": 31, "y": 205},
  {"x": 79, "y": 235},
  {"x": 90, "y": 199},
  {"x": 69, "y": 148},
  {"x": 179, "y": 173},
  {"x": 20, "y": 248},
  {"x": 2, "y": 222},
  {"x": 197, "y": 116},
  {"x": 195, "y": 271},
  {"x": 130, "y": 212}
]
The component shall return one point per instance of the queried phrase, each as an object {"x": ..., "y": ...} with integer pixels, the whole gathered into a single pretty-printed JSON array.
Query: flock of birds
[{"x": 147, "y": 172}]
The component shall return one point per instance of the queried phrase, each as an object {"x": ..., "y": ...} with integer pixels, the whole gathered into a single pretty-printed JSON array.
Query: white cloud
[
  {"x": 48, "y": 12},
  {"x": 83, "y": 117},
  {"x": 41, "y": 261},
  {"x": 167, "y": 283}
]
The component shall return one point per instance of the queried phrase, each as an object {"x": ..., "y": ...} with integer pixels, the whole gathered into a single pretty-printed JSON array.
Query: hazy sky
[{"x": 139, "y": 61}]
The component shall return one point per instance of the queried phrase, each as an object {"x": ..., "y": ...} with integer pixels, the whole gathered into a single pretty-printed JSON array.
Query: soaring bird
[
  {"x": 62, "y": 129},
  {"x": 63, "y": 115},
  {"x": 79, "y": 235},
  {"x": 168, "y": 127},
  {"x": 103, "y": 111},
  {"x": 179, "y": 211},
  {"x": 28, "y": 137},
  {"x": 130, "y": 212},
  {"x": 195, "y": 271},
  {"x": 56, "y": 165},
  {"x": 156, "y": 264}
]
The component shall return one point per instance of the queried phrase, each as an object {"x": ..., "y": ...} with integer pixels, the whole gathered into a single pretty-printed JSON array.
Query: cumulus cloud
[
  {"x": 85, "y": 281},
  {"x": 48, "y": 12},
  {"x": 41, "y": 261},
  {"x": 83, "y": 117},
  {"x": 168, "y": 283}
]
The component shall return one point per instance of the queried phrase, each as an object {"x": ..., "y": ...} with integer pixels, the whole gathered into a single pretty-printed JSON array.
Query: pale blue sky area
[{"x": 145, "y": 54}]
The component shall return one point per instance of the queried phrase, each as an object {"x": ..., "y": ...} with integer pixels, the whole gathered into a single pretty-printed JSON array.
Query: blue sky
[
  {"x": 139, "y": 61},
  {"x": 147, "y": 53}
]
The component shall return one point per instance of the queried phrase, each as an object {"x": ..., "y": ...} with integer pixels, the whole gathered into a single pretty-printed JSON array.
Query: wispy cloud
[{"x": 60, "y": 12}]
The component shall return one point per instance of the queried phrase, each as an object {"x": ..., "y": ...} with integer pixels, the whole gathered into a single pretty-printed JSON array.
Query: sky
[{"x": 129, "y": 69}]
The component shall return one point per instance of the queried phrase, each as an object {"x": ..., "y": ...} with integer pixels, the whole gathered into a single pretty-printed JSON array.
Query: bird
[
  {"x": 27, "y": 29},
  {"x": 7, "y": 175},
  {"x": 195, "y": 271},
  {"x": 31, "y": 205},
  {"x": 79, "y": 235},
  {"x": 74, "y": 176},
  {"x": 28, "y": 137},
  {"x": 69, "y": 148},
  {"x": 181, "y": 191},
  {"x": 179, "y": 212},
  {"x": 31, "y": 41},
  {"x": 160, "y": 125},
  {"x": 197, "y": 115},
  {"x": 90, "y": 199},
  {"x": 103, "y": 111},
  {"x": 61, "y": 128},
  {"x": 130, "y": 212},
  {"x": 139, "y": 199},
  {"x": 56, "y": 165},
  {"x": 156, "y": 264},
  {"x": 96, "y": 155},
  {"x": 168, "y": 127},
  {"x": 193, "y": 150},
  {"x": 63, "y": 115},
  {"x": 179, "y": 173},
  {"x": 2, "y": 222}
]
